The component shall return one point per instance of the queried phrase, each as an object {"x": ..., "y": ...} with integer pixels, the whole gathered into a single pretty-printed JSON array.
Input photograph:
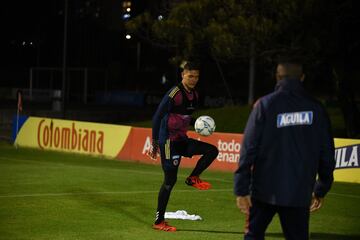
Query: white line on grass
[
  {"x": 100, "y": 193},
  {"x": 180, "y": 175},
  {"x": 344, "y": 195}
]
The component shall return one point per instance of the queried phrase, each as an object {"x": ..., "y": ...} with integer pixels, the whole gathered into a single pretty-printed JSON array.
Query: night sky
[
  {"x": 33, "y": 37},
  {"x": 96, "y": 39}
]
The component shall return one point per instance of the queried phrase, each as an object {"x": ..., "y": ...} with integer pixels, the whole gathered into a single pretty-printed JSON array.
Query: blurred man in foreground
[{"x": 287, "y": 143}]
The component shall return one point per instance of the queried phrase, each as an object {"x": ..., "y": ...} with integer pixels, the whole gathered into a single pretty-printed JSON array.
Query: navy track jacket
[{"x": 287, "y": 151}]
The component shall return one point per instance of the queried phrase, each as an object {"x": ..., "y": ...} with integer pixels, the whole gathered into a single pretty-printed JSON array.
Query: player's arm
[
  {"x": 326, "y": 165},
  {"x": 162, "y": 109},
  {"x": 248, "y": 154}
]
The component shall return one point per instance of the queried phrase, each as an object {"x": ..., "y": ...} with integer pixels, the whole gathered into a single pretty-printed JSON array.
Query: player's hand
[
  {"x": 244, "y": 203},
  {"x": 154, "y": 150},
  {"x": 316, "y": 203}
]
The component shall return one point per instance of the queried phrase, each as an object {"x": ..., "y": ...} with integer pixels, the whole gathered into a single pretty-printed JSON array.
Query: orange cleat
[
  {"x": 196, "y": 182},
  {"x": 164, "y": 226}
]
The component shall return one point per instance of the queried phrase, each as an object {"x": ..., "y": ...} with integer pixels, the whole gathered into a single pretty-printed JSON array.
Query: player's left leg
[
  {"x": 295, "y": 222},
  {"x": 209, "y": 152}
]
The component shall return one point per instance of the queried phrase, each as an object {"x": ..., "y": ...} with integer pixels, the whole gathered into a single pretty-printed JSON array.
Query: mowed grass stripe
[
  {"x": 148, "y": 172},
  {"x": 136, "y": 192}
]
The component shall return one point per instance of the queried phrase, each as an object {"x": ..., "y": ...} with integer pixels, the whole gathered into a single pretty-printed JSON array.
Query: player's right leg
[
  {"x": 170, "y": 164},
  {"x": 164, "y": 194}
]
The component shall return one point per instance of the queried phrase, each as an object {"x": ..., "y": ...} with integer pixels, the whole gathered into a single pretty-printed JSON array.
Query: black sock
[
  {"x": 163, "y": 199},
  {"x": 164, "y": 194}
]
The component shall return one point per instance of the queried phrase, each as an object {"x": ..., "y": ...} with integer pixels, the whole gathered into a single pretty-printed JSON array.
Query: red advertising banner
[{"x": 139, "y": 143}]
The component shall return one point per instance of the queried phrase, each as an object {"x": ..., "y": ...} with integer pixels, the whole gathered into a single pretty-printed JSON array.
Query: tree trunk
[
  {"x": 347, "y": 101},
  {"x": 251, "y": 73}
]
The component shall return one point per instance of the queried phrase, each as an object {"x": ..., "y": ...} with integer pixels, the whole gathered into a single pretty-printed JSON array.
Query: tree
[
  {"x": 223, "y": 30},
  {"x": 324, "y": 32},
  {"x": 230, "y": 31}
]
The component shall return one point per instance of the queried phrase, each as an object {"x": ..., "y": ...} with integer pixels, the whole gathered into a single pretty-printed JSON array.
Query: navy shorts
[{"x": 172, "y": 151}]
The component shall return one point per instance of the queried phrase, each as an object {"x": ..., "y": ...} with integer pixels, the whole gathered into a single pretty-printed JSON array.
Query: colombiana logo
[{"x": 53, "y": 136}]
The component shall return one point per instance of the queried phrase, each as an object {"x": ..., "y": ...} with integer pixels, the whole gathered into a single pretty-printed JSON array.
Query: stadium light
[{"x": 126, "y": 16}]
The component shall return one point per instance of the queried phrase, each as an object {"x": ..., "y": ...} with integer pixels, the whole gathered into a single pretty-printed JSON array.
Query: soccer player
[
  {"x": 287, "y": 144},
  {"x": 170, "y": 124}
]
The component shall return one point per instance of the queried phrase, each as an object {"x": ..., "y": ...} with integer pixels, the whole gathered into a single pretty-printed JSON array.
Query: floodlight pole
[
  {"x": 64, "y": 59},
  {"x": 138, "y": 55}
]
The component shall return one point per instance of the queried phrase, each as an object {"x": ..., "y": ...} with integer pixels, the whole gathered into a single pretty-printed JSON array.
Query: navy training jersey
[
  {"x": 173, "y": 116},
  {"x": 287, "y": 142}
]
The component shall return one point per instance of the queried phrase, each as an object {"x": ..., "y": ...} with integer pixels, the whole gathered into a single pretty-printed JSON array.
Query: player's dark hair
[{"x": 191, "y": 65}]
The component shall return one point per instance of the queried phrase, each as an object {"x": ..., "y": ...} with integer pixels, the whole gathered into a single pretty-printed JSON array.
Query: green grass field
[{"x": 50, "y": 195}]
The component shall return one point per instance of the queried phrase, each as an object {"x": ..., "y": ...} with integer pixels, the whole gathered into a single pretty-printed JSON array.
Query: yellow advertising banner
[
  {"x": 125, "y": 142},
  {"x": 347, "y": 160},
  {"x": 72, "y": 136}
]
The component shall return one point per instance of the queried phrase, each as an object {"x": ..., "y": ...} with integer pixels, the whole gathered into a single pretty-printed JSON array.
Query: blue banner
[{"x": 17, "y": 124}]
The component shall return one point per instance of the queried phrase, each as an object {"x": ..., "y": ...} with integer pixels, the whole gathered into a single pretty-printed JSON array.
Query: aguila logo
[{"x": 65, "y": 138}]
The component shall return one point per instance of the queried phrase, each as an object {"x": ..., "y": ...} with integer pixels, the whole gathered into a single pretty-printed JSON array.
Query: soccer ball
[{"x": 204, "y": 125}]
